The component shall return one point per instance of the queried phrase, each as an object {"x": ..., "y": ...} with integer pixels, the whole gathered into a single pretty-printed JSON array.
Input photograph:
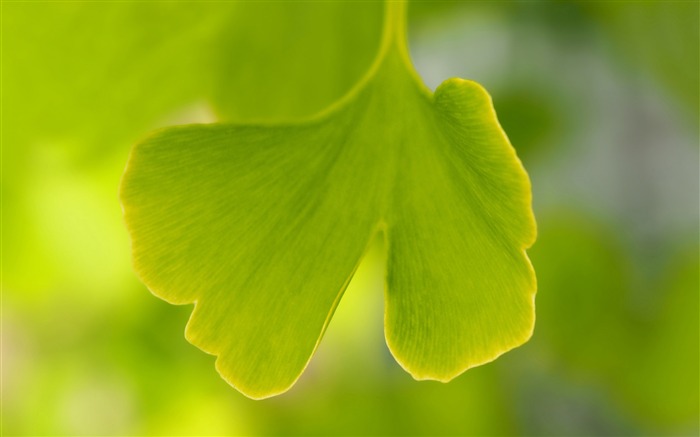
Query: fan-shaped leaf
[{"x": 263, "y": 225}]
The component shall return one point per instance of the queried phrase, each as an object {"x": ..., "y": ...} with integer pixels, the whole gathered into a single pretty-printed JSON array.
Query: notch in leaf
[{"x": 262, "y": 226}]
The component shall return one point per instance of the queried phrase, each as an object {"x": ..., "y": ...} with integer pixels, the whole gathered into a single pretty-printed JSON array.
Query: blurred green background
[{"x": 601, "y": 101}]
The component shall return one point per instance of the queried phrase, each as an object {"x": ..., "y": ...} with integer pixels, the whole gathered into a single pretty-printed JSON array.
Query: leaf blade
[
  {"x": 447, "y": 253},
  {"x": 247, "y": 244}
]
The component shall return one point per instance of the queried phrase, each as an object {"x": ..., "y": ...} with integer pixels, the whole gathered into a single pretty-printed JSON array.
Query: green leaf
[{"x": 263, "y": 226}]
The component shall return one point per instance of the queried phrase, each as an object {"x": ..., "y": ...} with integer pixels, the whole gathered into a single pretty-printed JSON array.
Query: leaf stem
[
  {"x": 395, "y": 42},
  {"x": 395, "y": 27},
  {"x": 393, "y": 52}
]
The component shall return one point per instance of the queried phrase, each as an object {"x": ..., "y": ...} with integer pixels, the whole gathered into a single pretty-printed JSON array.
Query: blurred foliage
[
  {"x": 641, "y": 357},
  {"x": 288, "y": 71},
  {"x": 659, "y": 36},
  {"x": 87, "y": 350}
]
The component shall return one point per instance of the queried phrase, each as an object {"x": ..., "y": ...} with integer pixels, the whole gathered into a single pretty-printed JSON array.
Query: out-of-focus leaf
[
  {"x": 530, "y": 116},
  {"x": 315, "y": 54},
  {"x": 584, "y": 279},
  {"x": 84, "y": 81},
  {"x": 263, "y": 225},
  {"x": 661, "y": 36},
  {"x": 74, "y": 78},
  {"x": 663, "y": 383},
  {"x": 589, "y": 326}
]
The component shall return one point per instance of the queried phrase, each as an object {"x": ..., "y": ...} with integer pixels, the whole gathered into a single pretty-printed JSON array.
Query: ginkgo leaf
[{"x": 263, "y": 226}]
